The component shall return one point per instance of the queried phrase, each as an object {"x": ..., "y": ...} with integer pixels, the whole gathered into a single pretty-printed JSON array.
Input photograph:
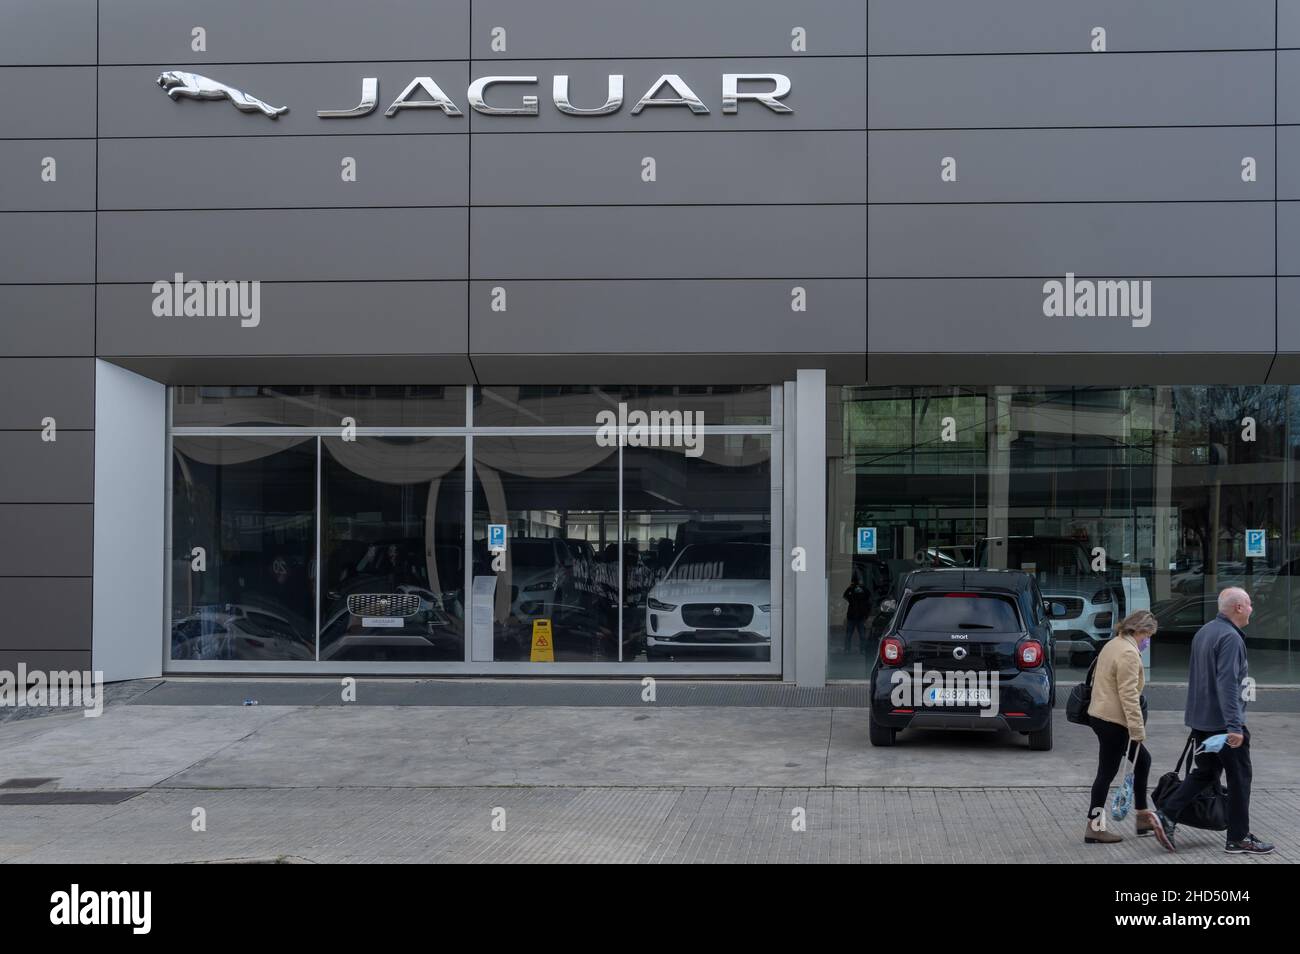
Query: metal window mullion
[
  {"x": 320, "y": 519},
  {"x": 621, "y": 518}
]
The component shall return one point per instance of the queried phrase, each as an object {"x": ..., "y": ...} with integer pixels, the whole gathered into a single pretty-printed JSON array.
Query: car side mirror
[{"x": 1057, "y": 610}]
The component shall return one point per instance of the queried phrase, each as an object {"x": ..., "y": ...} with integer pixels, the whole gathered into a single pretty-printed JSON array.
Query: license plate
[
  {"x": 934, "y": 696},
  {"x": 381, "y": 622}
]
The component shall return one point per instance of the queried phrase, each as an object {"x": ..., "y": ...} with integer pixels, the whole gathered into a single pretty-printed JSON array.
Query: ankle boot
[{"x": 1092, "y": 836}]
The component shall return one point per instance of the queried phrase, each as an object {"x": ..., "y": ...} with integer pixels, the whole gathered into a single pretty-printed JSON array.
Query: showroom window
[
  {"x": 475, "y": 529},
  {"x": 1115, "y": 498}
]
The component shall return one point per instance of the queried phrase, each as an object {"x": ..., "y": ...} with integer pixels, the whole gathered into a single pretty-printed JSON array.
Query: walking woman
[{"x": 1115, "y": 714}]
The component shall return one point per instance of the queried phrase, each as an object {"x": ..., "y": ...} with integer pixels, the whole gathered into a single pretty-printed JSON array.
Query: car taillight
[
  {"x": 891, "y": 651},
  {"x": 1029, "y": 654}
]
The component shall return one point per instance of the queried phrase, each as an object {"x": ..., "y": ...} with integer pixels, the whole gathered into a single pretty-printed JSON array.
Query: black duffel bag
[{"x": 1208, "y": 810}]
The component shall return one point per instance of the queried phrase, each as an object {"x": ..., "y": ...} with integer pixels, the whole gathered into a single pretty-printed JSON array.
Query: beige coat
[{"x": 1117, "y": 685}]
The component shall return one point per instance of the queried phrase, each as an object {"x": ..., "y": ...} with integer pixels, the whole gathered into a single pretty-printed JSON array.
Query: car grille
[
  {"x": 383, "y": 604},
  {"x": 1073, "y": 606},
  {"x": 717, "y": 615}
]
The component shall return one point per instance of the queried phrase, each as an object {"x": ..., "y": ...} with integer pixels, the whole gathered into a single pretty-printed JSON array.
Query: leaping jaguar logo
[{"x": 178, "y": 83}]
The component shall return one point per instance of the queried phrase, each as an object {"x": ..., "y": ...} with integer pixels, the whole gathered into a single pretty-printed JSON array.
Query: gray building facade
[{"x": 892, "y": 221}]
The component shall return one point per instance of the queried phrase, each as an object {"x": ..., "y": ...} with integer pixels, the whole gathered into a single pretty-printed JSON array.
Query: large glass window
[
  {"x": 244, "y": 548},
  {"x": 557, "y": 498},
  {"x": 1116, "y": 499},
  {"x": 391, "y": 547},
  {"x": 698, "y": 559},
  {"x": 468, "y": 529},
  {"x": 549, "y": 405},
  {"x": 298, "y": 405}
]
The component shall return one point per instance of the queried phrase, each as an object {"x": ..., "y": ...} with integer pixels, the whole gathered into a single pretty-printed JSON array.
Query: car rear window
[{"x": 961, "y": 612}]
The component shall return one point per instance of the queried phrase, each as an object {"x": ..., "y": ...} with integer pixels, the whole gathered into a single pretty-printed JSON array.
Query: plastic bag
[{"x": 1122, "y": 800}]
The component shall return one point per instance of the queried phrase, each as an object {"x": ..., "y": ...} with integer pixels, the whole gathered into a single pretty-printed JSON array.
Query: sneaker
[
  {"x": 1250, "y": 845},
  {"x": 1164, "y": 829}
]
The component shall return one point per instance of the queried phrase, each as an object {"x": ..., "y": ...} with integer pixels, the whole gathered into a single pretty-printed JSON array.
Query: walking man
[{"x": 1215, "y": 704}]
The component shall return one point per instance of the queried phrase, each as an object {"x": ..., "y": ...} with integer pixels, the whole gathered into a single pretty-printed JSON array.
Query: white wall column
[{"x": 130, "y": 503}]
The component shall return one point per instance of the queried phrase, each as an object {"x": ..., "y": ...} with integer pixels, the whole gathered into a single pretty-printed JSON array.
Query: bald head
[{"x": 1234, "y": 603}]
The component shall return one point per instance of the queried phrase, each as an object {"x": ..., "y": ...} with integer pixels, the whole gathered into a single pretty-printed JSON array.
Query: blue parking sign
[
  {"x": 866, "y": 539},
  {"x": 496, "y": 536},
  {"x": 1255, "y": 543}
]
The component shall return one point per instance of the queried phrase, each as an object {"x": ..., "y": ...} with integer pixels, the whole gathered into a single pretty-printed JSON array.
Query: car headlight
[
  {"x": 765, "y": 607},
  {"x": 655, "y": 604},
  {"x": 1101, "y": 596}
]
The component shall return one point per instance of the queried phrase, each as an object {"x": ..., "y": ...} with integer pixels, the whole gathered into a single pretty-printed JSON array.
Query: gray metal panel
[
  {"x": 62, "y": 621},
  {"x": 803, "y": 242},
  {"x": 35, "y": 388},
  {"x": 1288, "y": 86},
  {"x": 144, "y": 31},
  {"x": 1121, "y": 370},
  {"x": 825, "y": 93},
  {"x": 1288, "y": 238},
  {"x": 285, "y": 245},
  {"x": 40, "y": 247},
  {"x": 1288, "y": 23},
  {"x": 1070, "y": 165},
  {"x": 22, "y": 187},
  {"x": 661, "y": 369},
  {"x": 47, "y": 32},
  {"x": 56, "y": 102},
  {"x": 37, "y": 320},
  {"x": 991, "y": 316},
  {"x": 669, "y": 27},
  {"x": 1288, "y": 318},
  {"x": 132, "y": 104},
  {"x": 664, "y": 317},
  {"x": 726, "y": 167},
  {"x": 1153, "y": 89},
  {"x": 342, "y": 318},
  {"x": 350, "y": 369},
  {"x": 289, "y": 172},
  {"x": 46, "y": 660},
  {"x": 1043, "y": 26},
  {"x": 1110, "y": 241},
  {"x": 1288, "y": 154},
  {"x": 45, "y": 540},
  {"x": 37, "y": 471},
  {"x": 667, "y": 317}
]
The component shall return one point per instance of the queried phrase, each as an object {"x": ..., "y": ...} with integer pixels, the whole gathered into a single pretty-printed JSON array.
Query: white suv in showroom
[{"x": 714, "y": 601}]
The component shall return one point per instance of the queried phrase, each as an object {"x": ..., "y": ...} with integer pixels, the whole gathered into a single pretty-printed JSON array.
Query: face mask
[{"x": 1144, "y": 643}]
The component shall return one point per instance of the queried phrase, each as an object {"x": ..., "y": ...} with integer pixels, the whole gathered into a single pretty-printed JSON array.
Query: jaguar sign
[{"x": 766, "y": 89}]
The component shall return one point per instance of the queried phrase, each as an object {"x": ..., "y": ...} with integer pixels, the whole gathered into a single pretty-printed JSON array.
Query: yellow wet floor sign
[{"x": 543, "y": 647}]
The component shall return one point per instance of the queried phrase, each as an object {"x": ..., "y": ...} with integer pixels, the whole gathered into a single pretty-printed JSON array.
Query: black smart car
[{"x": 966, "y": 649}]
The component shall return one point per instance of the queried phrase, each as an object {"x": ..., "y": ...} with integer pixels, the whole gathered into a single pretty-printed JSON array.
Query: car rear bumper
[{"x": 1024, "y": 704}]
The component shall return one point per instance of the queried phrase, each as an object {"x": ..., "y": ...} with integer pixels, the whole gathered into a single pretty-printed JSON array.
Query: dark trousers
[
  {"x": 1114, "y": 748},
  {"x": 850, "y": 627},
  {"x": 1206, "y": 771}
]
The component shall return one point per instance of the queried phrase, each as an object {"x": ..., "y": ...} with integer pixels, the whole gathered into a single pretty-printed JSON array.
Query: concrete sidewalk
[{"x": 649, "y": 783}]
